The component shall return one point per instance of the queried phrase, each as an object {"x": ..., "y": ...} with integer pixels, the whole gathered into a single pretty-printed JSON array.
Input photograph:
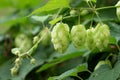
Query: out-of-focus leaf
[
  {"x": 5, "y": 29},
  {"x": 5, "y": 3},
  {"x": 26, "y": 67},
  {"x": 113, "y": 40},
  {"x": 72, "y": 72},
  {"x": 10, "y": 20},
  {"x": 40, "y": 18},
  {"x": 6, "y": 24},
  {"x": 106, "y": 15},
  {"x": 77, "y": 3},
  {"x": 1, "y": 37},
  {"x": 20, "y": 4},
  {"x": 114, "y": 30},
  {"x": 52, "y": 5}
]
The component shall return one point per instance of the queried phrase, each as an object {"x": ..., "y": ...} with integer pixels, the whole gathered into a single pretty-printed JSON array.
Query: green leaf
[
  {"x": 54, "y": 21},
  {"x": 40, "y": 18},
  {"x": 52, "y": 5},
  {"x": 77, "y": 3},
  {"x": 94, "y": 1},
  {"x": 113, "y": 40},
  {"x": 114, "y": 30},
  {"x": 25, "y": 68},
  {"x": 71, "y": 72},
  {"x": 7, "y": 22},
  {"x": 100, "y": 63},
  {"x": 106, "y": 73},
  {"x": 106, "y": 15},
  {"x": 20, "y": 4},
  {"x": 68, "y": 55}
]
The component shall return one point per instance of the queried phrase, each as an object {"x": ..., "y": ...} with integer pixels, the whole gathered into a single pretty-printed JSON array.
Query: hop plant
[
  {"x": 60, "y": 37},
  {"x": 118, "y": 10},
  {"x": 101, "y": 36},
  {"x": 90, "y": 43},
  {"x": 78, "y": 35}
]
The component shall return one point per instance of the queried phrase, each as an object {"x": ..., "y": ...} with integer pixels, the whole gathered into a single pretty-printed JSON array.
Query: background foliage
[{"x": 21, "y": 20}]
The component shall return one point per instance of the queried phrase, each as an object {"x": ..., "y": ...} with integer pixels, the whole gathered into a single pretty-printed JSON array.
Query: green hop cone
[
  {"x": 102, "y": 35},
  {"x": 78, "y": 35},
  {"x": 90, "y": 43},
  {"x": 46, "y": 36},
  {"x": 23, "y": 42},
  {"x": 118, "y": 10},
  {"x": 73, "y": 12},
  {"x": 60, "y": 37}
]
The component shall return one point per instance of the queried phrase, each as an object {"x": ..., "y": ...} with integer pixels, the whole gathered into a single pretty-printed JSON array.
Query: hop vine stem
[{"x": 107, "y": 7}]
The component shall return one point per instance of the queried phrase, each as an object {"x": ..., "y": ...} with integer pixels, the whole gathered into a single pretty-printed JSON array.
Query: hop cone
[
  {"x": 78, "y": 35},
  {"x": 90, "y": 43},
  {"x": 60, "y": 37},
  {"x": 45, "y": 33},
  {"x": 101, "y": 36}
]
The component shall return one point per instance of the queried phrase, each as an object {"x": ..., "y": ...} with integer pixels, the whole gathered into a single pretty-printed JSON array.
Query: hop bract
[
  {"x": 90, "y": 43},
  {"x": 60, "y": 37},
  {"x": 101, "y": 36},
  {"x": 78, "y": 35}
]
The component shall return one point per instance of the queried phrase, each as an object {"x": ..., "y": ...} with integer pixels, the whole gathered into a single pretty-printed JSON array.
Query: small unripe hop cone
[
  {"x": 78, "y": 35},
  {"x": 45, "y": 33},
  {"x": 60, "y": 37}
]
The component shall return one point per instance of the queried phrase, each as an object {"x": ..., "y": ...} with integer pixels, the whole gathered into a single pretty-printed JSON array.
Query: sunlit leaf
[
  {"x": 54, "y": 21},
  {"x": 52, "y": 5}
]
